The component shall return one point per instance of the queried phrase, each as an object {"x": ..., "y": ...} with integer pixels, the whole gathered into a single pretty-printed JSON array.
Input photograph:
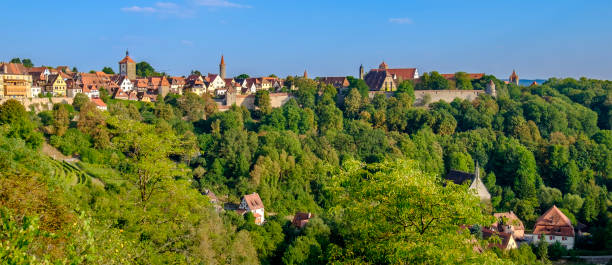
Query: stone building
[
  {"x": 388, "y": 79},
  {"x": 514, "y": 79},
  {"x": 127, "y": 67}
]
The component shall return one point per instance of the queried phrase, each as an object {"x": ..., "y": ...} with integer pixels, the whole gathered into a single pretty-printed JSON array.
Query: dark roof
[
  {"x": 375, "y": 79},
  {"x": 335, "y": 81},
  {"x": 300, "y": 219},
  {"x": 459, "y": 177}
]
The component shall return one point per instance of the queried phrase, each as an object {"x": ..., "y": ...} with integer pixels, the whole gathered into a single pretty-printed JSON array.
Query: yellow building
[
  {"x": 13, "y": 84},
  {"x": 56, "y": 85}
]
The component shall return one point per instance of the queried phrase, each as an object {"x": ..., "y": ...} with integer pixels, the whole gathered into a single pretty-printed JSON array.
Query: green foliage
[
  {"x": 433, "y": 81},
  {"x": 108, "y": 70},
  {"x": 144, "y": 69},
  {"x": 242, "y": 76}
]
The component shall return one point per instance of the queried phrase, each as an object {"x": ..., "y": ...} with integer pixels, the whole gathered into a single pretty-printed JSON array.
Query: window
[{"x": 550, "y": 237}]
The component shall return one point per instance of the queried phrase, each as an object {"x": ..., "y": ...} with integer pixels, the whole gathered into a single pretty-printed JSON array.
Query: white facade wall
[{"x": 567, "y": 241}]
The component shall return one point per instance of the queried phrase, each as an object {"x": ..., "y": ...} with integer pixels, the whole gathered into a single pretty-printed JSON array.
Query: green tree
[
  {"x": 263, "y": 102},
  {"x": 242, "y": 76},
  {"x": 144, "y": 69},
  {"x": 27, "y": 63},
  {"x": 352, "y": 103},
  {"x": 393, "y": 213},
  {"x": 463, "y": 81},
  {"x": 108, "y": 70},
  {"x": 15, "y": 60},
  {"x": 433, "y": 81},
  {"x": 79, "y": 100}
]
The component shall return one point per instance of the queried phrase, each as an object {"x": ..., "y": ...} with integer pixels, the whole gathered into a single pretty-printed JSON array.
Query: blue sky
[{"x": 539, "y": 39}]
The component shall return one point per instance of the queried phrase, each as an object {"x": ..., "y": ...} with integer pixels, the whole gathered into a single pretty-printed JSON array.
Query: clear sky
[{"x": 540, "y": 39}]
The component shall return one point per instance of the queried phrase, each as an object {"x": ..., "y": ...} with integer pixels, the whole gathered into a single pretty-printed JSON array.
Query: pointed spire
[
  {"x": 127, "y": 53},
  {"x": 222, "y": 60},
  {"x": 477, "y": 170},
  {"x": 305, "y": 74}
]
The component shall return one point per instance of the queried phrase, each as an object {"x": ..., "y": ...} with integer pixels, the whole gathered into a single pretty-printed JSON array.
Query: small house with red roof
[
  {"x": 553, "y": 226},
  {"x": 99, "y": 103},
  {"x": 301, "y": 219},
  {"x": 504, "y": 241},
  {"x": 252, "y": 203},
  {"x": 508, "y": 222}
]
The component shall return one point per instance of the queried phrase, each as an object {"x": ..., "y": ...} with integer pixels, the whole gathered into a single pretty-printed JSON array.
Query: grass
[{"x": 105, "y": 174}]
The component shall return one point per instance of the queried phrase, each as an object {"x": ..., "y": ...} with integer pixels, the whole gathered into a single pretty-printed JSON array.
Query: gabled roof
[
  {"x": 177, "y": 80},
  {"x": 52, "y": 78},
  {"x": 340, "y": 81},
  {"x": 13, "y": 68},
  {"x": 505, "y": 238},
  {"x": 511, "y": 218},
  {"x": 300, "y": 219},
  {"x": 554, "y": 222},
  {"x": 253, "y": 201},
  {"x": 459, "y": 177},
  {"x": 375, "y": 79},
  {"x": 401, "y": 73},
  {"x": 98, "y": 102}
]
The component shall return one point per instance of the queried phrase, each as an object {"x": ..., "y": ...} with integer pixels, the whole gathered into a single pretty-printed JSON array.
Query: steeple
[
  {"x": 305, "y": 74},
  {"x": 477, "y": 170},
  {"x": 383, "y": 65},
  {"x": 127, "y": 53},
  {"x": 361, "y": 72},
  {"x": 514, "y": 78},
  {"x": 222, "y": 67},
  {"x": 490, "y": 89}
]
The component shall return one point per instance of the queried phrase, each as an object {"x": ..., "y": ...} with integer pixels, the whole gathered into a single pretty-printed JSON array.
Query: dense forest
[{"x": 370, "y": 170}]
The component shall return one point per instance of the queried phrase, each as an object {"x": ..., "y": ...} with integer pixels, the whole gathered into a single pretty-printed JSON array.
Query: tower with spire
[
  {"x": 222, "y": 67},
  {"x": 361, "y": 72},
  {"x": 305, "y": 74},
  {"x": 490, "y": 89},
  {"x": 383, "y": 66},
  {"x": 514, "y": 79},
  {"x": 127, "y": 66}
]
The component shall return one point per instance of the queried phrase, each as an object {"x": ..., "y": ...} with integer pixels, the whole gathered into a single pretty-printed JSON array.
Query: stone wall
[
  {"x": 40, "y": 104},
  {"x": 420, "y": 96},
  {"x": 276, "y": 100}
]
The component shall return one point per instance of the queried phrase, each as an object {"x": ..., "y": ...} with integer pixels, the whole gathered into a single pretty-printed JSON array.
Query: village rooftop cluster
[{"x": 18, "y": 81}]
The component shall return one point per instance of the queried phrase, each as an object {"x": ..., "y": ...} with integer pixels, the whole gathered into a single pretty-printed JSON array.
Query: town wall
[
  {"x": 276, "y": 100},
  {"x": 420, "y": 96},
  {"x": 40, "y": 104}
]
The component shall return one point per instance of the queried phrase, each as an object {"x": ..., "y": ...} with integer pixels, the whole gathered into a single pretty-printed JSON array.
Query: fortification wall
[
  {"x": 424, "y": 97},
  {"x": 40, "y": 104},
  {"x": 276, "y": 100}
]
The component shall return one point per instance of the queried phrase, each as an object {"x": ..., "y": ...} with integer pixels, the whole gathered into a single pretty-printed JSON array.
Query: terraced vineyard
[{"x": 69, "y": 173}]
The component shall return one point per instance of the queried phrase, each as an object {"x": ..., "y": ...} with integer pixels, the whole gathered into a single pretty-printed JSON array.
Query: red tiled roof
[
  {"x": 470, "y": 76},
  {"x": 14, "y": 68},
  {"x": 127, "y": 59},
  {"x": 98, "y": 102},
  {"x": 505, "y": 238},
  {"x": 253, "y": 201},
  {"x": 554, "y": 222},
  {"x": 511, "y": 218},
  {"x": 400, "y": 73},
  {"x": 300, "y": 219}
]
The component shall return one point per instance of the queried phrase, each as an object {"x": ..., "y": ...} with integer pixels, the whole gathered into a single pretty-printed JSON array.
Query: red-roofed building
[
  {"x": 337, "y": 82},
  {"x": 386, "y": 79},
  {"x": 506, "y": 240},
  {"x": 301, "y": 219},
  {"x": 252, "y": 203},
  {"x": 99, "y": 103},
  {"x": 508, "y": 222},
  {"x": 554, "y": 226}
]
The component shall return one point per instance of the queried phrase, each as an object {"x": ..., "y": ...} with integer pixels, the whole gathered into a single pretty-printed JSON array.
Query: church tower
[
  {"x": 305, "y": 74},
  {"x": 361, "y": 72},
  {"x": 127, "y": 67},
  {"x": 514, "y": 79},
  {"x": 222, "y": 68},
  {"x": 383, "y": 66}
]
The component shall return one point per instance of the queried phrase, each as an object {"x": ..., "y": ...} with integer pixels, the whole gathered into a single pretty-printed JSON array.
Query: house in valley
[
  {"x": 508, "y": 222},
  {"x": 505, "y": 241},
  {"x": 301, "y": 219},
  {"x": 553, "y": 226},
  {"x": 252, "y": 203}
]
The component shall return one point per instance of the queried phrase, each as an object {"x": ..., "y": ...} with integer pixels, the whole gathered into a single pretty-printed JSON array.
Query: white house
[
  {"x": 91, "y": 91},
  {"x": 99, "y": 103},
  {"x": 252, "y": 203},
  {"x": 214, "y": 82},
  {"x": 125, "y": 84},
  {"x": 553, "y": 226},
  {"x": 35, "y": 90}
]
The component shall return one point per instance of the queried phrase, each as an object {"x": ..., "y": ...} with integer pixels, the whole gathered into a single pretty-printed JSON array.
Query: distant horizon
[{"x": 327, "y": 38}]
